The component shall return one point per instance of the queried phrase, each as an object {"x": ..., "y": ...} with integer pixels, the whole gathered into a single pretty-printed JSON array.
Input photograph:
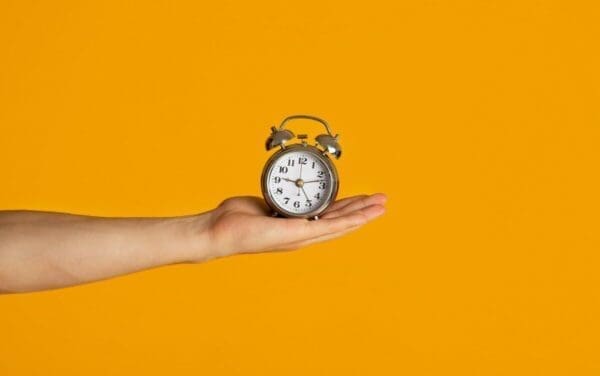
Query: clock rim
[{"x": 319, "y": 154}]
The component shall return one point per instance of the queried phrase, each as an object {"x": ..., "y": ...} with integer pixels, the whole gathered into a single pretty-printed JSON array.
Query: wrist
[{"x": 194, "y": 238}]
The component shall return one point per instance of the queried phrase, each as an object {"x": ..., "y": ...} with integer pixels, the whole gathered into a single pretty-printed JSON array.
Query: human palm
[{"x": 245, "y": 225}]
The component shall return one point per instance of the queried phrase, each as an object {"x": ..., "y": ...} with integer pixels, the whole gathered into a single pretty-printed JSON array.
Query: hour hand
[
  {"x": 313, "y": 181},
  {"x": 290, "y": 180}
]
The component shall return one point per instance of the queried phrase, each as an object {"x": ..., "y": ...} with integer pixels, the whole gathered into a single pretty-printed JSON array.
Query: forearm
[{"x": 41, "y": 250}]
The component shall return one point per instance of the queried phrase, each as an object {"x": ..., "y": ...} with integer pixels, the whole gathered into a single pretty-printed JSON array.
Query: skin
[{"x": 42, "y": 250}]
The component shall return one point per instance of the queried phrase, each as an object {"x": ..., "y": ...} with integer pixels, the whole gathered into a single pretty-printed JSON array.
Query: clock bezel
[{"x": 335, "y": 183}]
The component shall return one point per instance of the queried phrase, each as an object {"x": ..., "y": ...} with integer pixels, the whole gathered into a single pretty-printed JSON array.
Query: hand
[{"x": 245, "y": 224}]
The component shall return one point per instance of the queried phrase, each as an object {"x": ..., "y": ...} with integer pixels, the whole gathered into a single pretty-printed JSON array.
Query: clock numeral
[
  {"x": 313, "y": 165},
  {"x": 296, "y": 204},
  {"x": 322, "y": 185},
  {"x": 277, "y": 179},
  {"x": 302, "y": 160},
  {"x": 279, "y": 191},
  {"x": 286, "y": 200},
  {"x": 309, "y": 203},
  {"x": 291, "y": 162},
  {"x": 321, "y": 174},
  {"x": 283, "y": 169},
  {"x": 318, "y": 196}
]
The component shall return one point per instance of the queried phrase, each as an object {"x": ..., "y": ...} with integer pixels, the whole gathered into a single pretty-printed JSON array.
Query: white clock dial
[{"x": 299, "y": 182}]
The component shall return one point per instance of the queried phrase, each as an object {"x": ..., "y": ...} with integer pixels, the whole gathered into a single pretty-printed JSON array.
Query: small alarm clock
[{"x": 300, "y": 180}]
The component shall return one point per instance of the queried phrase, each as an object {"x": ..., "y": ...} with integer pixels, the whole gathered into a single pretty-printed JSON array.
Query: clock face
[{"x": 300, "y": 182}]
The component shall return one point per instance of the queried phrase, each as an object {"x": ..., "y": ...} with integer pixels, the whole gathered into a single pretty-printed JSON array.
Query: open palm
[{"x": 244, "y": 224}]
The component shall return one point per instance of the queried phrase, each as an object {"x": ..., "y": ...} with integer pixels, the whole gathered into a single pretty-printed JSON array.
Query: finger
[
  {"x": 294, "y": 233},
  {"x": 359, "y": 203},
  {"x": 281, "y": 232},
  {"x": 319, "y": 239},
  {"x": 313, "y": 229},
  {"x": 344, "y": 202},
  {"x": 369, "y": 213}
]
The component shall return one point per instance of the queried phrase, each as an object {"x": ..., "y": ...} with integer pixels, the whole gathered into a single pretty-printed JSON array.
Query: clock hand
[
  {"x": 314, "y": 181},
  {"x": 305, "y": 195}
]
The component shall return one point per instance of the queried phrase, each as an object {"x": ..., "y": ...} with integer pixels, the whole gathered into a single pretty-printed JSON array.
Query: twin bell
[{"x": 327, "y": 142}]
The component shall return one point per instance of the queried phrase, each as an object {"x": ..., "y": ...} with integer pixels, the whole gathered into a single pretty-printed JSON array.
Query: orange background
[{"x": 479, "y": 119}]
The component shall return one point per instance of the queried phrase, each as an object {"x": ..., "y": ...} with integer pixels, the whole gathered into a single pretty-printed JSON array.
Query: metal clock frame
[{"x": 335, "y": 181}]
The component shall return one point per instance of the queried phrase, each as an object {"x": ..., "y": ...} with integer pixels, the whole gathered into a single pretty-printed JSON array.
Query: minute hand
[
  {"x": 305, "y": 195},
  {"x": 314, "y": 181}
]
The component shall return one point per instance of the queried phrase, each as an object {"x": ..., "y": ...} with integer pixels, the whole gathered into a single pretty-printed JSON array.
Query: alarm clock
[{"x": 300, "y": 180}]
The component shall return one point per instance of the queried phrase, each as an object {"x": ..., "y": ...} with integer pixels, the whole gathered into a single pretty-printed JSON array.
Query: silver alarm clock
[{"x": 300, "y": 180}]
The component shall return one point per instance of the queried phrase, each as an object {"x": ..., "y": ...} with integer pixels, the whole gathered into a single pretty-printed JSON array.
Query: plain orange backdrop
[{"x": 479, "y": 119}]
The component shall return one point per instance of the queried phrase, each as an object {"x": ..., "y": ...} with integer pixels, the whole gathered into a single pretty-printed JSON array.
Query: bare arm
[{"x": 40, "y": 250}]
